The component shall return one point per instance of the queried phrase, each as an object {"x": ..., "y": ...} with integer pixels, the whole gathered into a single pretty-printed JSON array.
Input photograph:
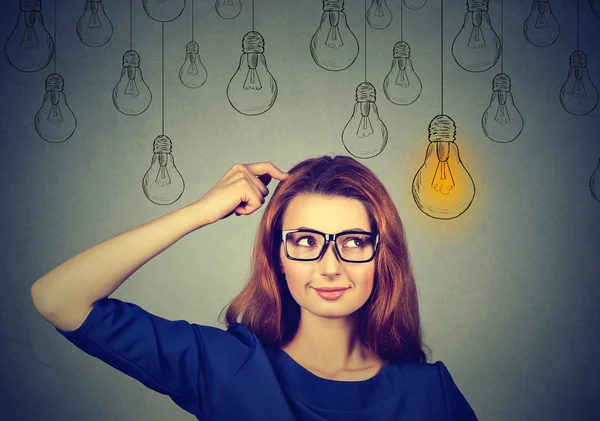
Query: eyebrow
[{"x": 349, "y": 229}]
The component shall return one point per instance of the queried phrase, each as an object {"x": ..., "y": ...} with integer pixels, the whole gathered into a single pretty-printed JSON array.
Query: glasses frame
[{"x": 329, "y": 237}]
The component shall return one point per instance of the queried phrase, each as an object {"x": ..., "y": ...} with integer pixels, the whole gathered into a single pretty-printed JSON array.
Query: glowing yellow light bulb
[{"x": 443, "y": 188}]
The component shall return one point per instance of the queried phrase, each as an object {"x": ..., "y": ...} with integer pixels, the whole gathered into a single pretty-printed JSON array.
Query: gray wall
[{"x": 508, "y": 291}]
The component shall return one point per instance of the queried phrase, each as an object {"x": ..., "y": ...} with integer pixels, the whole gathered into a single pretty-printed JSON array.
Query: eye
[{"x": 307, "y": 237}]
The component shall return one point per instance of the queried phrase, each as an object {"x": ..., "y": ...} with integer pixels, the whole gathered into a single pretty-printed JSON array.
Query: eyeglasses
[{"x": 351, "y": 246}]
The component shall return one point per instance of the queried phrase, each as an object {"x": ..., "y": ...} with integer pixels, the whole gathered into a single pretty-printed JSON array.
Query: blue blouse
[{"x": 230, "y": 375}]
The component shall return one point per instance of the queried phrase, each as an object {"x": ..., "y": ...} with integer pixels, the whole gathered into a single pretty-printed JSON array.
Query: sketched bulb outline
[
  {"x": 163, "y": 10},
  {"x": 94, "y": 28},
  {"x": 402, "y": 86},
  {"x": 442, "y": 187},
  {"x": 29, "y": 47},
  {"x": 163, "y": 184},
  {"x": 365, "y": 135},
  {"x": 595, "y": 6},
  {"x": 192, "y": 73},
  {"x": 379, "y": 15},
  {"x": 502, "y": 122},
  {"x": 578, "y": 95},
  {"x": 414, "y": 4},
  {"x": 595, "y": 183},
  {"x": 333, "y": 46},
  {"x": 55, "y": 121},
  {"x": 131, "y": 95},
  {"x": 476, "y": 47},
  {"x": 541, "y": 27},
  {"x": 228, "y": 9},
  {"x": 252, "y": 90}
]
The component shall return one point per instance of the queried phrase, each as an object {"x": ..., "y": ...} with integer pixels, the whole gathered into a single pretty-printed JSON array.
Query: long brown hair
[{"x": 389, "y": 321}]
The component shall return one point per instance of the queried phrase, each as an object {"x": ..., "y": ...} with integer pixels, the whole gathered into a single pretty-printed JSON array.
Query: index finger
[{"x": 265, "y": 171}]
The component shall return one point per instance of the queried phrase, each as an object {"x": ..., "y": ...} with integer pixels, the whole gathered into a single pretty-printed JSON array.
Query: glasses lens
[{"x": 307, "y": 245}]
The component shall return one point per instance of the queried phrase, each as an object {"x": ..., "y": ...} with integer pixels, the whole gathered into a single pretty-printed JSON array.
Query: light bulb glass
[
  {"x": 94, "y": 28},
  {"x": 402, "y": 86},
  {"x": 595, "y": 183},
  {"x": 252, "y": 90},
  {"x": 414, "y": 4},
  {"x": 502, "y": 122},
  {"x": 29, "y": 47},
  {"x": 192, "y": 73},
  {"x": 477, "y": 47},
  {"x": 578, "y": 95},
  {"x": 162, "y": 183},
  {"x": 54, "y": 121},
  {"x": 595, "y": 6},
  {"x": 333, "y": 46},
  {"x": 379, "y": 15},
  {"x": 131, "y": 94},
  {"x": 163, "y": 10},
  {"x": 228, "y": 9},
  {"x": 541, "y": 27},
  {"x": 365, "y": 135},
  {"x": 443, "y": 188}
]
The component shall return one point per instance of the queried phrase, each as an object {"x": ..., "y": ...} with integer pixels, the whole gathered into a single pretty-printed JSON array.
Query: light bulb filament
[
  {"x": 439, "y": 182},
  {"x": 228, "y": 3},
  {"x": 364, "y": 127},
  {"x": 476, "y": 40},
  {"x": 193, "y": 67},
  {"x": 94, "y": 21},
  {"x": 502, "y": 116},
  {"x": 541, "y": 21},
  {"x": 29, "y": 39},
  {"x": 402, "y": 79},
  {"x": 378, "y": 10},
  {"x": 578, "y": 88},
  {"x": 334, "y": 39},
  {"x": 55, "y": 116},
  {"x": 252, "y": 80}
]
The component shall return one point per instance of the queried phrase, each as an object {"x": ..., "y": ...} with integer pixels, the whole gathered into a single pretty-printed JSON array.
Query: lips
[{"x": 331, "y": 289}]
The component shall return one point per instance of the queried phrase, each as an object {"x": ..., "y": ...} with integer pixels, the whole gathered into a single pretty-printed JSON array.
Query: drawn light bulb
[
  {"x": 402, "y": 86},
  {"x": 163, "y": 10},
  {"x": 595, "y": 6},
  {"x": 94, "y": 28},
  {"x": 365, "y": 135},
  {"x": 379, "y": 14},
  {"x": 414, "y": 4},
  {"x": 443, "y": 188},
  {"x": 29, "y": 47},
  {"x": 55, "y": 122},
  {"x": 162, "y": 183},
  {"x": 541, "y": 27},
  {"x": 228, "y": 9},
  {"x": 578, "y": 95},
  {"x": 252, "y": 90},
  {"x": 334, "y": 47},
  {"x": 477, "y": 47},
  {"x": 131, "y": 95},
  {"x": 192, "y": 73},
  {"x": 502, "y": 122},
  {"x": 595, "y": 183}
]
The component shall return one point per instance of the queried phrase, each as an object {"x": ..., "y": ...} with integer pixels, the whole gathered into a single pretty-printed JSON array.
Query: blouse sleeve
[
  {"x": 457, "y": 407},
  {"x": 169, "y": 357}
]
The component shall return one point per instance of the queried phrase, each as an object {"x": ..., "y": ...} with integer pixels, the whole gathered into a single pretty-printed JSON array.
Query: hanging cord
[
  {"x": 442, "y": 56},
  {"x": 130, "y": 24},
  {"x": 365, "y": 47},
  {"x": 163, "y": 77},
  {"x": 192, "y": 20},
  {"x": 502, "y": 36},
  {"x": 55, "y": 41}
]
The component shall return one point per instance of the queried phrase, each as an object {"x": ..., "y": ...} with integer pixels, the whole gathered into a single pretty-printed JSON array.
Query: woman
[{"x": 301, "y": 351}]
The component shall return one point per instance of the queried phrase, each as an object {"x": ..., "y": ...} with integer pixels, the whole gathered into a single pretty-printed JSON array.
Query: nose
[{"x": 329, "y": 261}]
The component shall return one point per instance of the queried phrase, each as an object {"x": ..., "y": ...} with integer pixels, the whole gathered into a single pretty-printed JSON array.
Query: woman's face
[{"x": 330, "y": 216}]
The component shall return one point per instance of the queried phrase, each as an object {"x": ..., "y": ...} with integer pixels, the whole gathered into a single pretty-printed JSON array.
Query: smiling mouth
[{"x": 330, "y": 289}]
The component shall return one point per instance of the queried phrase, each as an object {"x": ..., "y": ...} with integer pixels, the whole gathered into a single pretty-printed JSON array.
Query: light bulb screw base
[
  {"x": 253, "y": 42},
  {"x": 31, "y": 5},
  {"x": 501, "y": 83},
  {"x": 54, "y": 83},
  {"x": 442, "y": 129},
  {"x": 131, "y": 59},
  {"x": 477, "y": 5},
  {"x": 333, "y": 5},
  {"x": 162, "y": 144},
  {"x": 401, "y": 50},
  {"x": 578, "y": 59},
  {"x": 192, "y": 47},
  {"x": 365, "y": 92}
]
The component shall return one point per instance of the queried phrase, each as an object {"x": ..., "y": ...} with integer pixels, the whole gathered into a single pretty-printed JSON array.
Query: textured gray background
[{"x": 508, "y": 291}]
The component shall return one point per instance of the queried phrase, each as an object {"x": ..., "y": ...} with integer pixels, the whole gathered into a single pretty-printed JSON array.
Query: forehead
[{"x": 327, "y": 214}]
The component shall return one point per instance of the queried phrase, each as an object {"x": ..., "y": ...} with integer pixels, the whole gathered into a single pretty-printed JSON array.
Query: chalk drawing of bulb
[
  {"x": 402, "y": 86},
  {"x": 228, "y": 9},
  {"x": 379, "y": 15},
  {"x": 365, "y": 135},
  {"x": 131, "y": 95},
  {"x": 94, "y": 28},
  {"x": 192, "y": 73},
  {"x": 163, "y": 10},
  {"x": 541, "y": 27},
  {"x": 502, "y": 122},
  {"x": 252, "y": 90},
  {"x": 595, "y": 183},
  {"x": 477, "y": 47},
  {"x": 333, "y": 46},
  {"x": 578, "y": 95},
  {"x": 443, "y": 188},
  {"x": 414, "y": 4},
  {"x": 162, "y": 183},
  {"x": 55, "y": 122},
  {"x": 29, "y": 47},
  {"x": 595, "y": 6}
]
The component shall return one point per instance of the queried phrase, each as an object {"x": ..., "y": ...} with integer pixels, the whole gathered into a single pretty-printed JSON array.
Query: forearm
[{"x": 98, "y": 271}]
